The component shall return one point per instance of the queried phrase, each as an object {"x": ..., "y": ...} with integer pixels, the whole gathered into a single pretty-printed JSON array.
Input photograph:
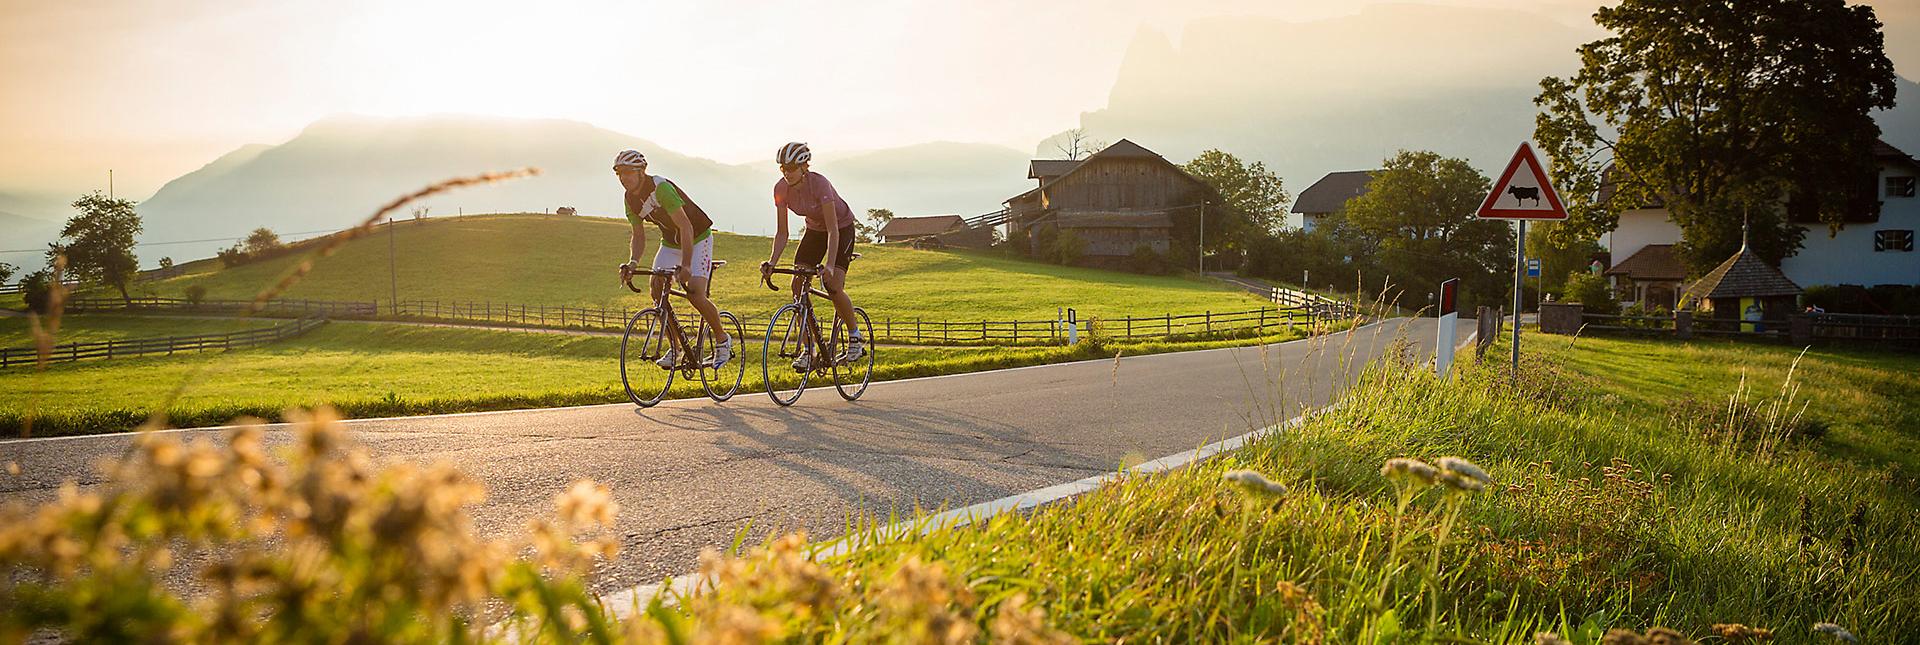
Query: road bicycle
[
  {"x": 794, "y": 341},
  {"x": 655, "y": 329}
]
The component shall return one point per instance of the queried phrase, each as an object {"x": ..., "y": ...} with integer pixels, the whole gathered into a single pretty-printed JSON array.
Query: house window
[
  {"x": 1893, "y": 240},
  {"x": 1900, "y": 186}
]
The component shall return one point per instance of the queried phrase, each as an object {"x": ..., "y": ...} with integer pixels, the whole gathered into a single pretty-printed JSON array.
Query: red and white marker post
[
  {"x": 1449, "y": 320},
  {"x": 1522, "y": 193}
]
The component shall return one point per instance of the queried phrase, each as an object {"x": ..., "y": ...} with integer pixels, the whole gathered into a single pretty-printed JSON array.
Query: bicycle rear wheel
[
  {"x": 785, "y": 341},
  {"x": 723, "y": 381},
  {"x": 852, "y": 378},
  {"x": 645, "y": 342}
]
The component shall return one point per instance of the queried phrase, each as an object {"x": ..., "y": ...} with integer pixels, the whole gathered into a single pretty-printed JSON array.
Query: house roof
[
  {"x": 1883, "y": 151},
  {"x": 916, "y": 226},
  {"x": 1113, "y": 219},
  {"x": 1744, "y": 275},
  {"x": 1331, "y": 193},
  {"x": 1122, "y": 149},
  {"x": 1044, "y": 168},
  {"x": 1651, "y": 262}
]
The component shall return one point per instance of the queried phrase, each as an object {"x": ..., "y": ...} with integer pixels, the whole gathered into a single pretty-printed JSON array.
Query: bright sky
[{"x": 156, "y": 88}]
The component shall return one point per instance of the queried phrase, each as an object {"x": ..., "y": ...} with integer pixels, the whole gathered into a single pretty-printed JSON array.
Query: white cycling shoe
[
  {"x": 671, "y": 360},
  {"x": 722, "y": 352},
  {"x": 856, "y": 348}
]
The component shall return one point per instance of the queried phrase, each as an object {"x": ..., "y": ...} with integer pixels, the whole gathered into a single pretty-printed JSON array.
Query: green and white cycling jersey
[{"x": 656, "y": 205}]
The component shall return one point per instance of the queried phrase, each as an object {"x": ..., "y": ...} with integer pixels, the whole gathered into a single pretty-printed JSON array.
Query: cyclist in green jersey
[{"x": 686, "y": 244}]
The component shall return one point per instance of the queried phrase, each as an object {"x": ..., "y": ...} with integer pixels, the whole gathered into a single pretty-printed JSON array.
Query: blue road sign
[{"x": 1533, "y": 267}]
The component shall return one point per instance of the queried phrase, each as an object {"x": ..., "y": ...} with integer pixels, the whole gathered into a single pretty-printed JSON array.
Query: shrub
[
  {"x": 1067, "y": 248},
  {"x": 232, "y": 256},
  {"x": 166, "y": 263},
  {"x": 196, "y": 294},
  {"x": 1148, "y": 261},
  {"x": 1591, "y": 292},
  {"x": 37, "y": 289}
]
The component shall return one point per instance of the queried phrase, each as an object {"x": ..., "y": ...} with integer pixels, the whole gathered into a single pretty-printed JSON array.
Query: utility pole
[
  {"x": 109, "y": 183},
  {"x": 393, "y": 280},
  {"x": 1203, "y": 237}
]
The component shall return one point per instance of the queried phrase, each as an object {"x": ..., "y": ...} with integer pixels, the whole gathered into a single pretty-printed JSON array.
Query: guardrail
[
  {"x": 168, "y": 345},
  {"x": 1290, "y": 298}
]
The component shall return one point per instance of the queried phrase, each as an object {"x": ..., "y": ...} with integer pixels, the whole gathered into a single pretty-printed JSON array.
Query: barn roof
[
  {"x": 1744, "y": 275},
  {"x": 1331, "y": 193},
  {"x": 1123, "y": 149},
  {"x": 1044, "y": 168},
  {"x": 1651, "y": 262},
  {"x": 917, "y": 226}
]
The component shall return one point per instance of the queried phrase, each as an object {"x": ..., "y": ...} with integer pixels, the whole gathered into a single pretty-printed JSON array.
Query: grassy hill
[{"x": 555, "y": 260}]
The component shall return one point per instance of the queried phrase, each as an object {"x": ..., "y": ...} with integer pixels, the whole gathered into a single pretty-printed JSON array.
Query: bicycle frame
[
  {"x": 817, "y": 344},
  {"x": 664, "y": 302}
]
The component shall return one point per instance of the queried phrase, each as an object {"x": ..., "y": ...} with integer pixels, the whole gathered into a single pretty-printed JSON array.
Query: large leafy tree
[
  {"x": 6, "y": 272},
  {"x": 1724, "y": 111},
  {"x": 1255, "y": 201},
  {"x": 98, "y": 243},
  {"x": 1418, "y": 224}
]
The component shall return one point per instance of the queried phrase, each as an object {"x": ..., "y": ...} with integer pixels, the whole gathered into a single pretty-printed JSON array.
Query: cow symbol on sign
[{"x": 1521, "y": 193}]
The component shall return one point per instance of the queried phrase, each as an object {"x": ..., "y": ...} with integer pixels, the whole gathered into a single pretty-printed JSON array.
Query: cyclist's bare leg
[
  {"x": 697, "y": 294},
  {"x": 842, "y": 304}
]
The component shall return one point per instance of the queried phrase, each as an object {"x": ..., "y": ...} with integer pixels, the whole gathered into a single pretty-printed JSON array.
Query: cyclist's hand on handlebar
[{"x": 683, "y": 273}]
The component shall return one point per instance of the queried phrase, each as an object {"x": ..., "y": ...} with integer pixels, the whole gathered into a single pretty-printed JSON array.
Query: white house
[
  {"x": 1329, "y": 195},
  {"x": 1871, "y": 248}
]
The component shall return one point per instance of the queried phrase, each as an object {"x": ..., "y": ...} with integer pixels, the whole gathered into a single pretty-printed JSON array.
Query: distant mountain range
[{"x": 339, "y": 170}]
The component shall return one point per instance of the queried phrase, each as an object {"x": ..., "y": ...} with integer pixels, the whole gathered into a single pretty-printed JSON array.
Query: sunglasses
[{"x": 789, "y": 167}]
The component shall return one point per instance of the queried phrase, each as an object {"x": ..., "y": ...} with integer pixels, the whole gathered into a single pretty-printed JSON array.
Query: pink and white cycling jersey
[{"x": 806, "y": 199}]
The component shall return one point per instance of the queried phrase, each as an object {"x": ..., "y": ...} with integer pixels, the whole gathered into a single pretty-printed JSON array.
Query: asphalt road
[{"x": 690, "y": 474}]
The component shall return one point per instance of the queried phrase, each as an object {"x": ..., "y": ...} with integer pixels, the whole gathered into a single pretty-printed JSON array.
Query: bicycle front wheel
[
  {"x": 852, "y": 377},
  {"x": 724, "y": 380},
  {"x": 645, "y": 342},
  {"x": 784, "y": 344}
]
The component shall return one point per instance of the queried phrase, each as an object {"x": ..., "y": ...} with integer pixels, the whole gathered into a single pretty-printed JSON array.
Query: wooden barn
[
  {"x": 935, "y": 231},
  {"x": 1117, "y": 200}
]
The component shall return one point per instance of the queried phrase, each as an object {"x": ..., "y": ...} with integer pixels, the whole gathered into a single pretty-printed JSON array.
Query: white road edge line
[
  {"x": 350, "y": 422},
  {"x": 626, "y": 603}
]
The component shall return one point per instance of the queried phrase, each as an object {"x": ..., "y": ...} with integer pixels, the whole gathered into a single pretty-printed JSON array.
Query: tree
[
  {"x": 166, "y": 263},
  {"x": 262, "y": 241},
  {"x": 867, "y": 233},
  {"x": 98, "y": 243},
  {"x": 1254, "y": 201},
  {"x": 1076, "y": 144},
  {"x": 7, "y": 271},
  {"x": 37, "y": 290},
  {"x": 1416, "y": 224},
  {"x": 1719, "y": 110}
]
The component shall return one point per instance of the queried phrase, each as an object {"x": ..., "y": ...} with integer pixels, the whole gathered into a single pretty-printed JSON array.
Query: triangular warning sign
[{"x": 1523, "y": 191}]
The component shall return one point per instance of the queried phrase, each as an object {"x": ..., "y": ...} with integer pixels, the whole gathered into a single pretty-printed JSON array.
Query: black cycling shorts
[{"x": 813, "y": 248}]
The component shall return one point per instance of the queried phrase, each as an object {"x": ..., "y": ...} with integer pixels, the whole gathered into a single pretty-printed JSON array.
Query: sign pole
[{"x": 1519, "y": 270}]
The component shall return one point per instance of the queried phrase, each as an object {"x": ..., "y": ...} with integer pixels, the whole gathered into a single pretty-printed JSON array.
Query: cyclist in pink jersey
[{"x": 828, "y": 243}]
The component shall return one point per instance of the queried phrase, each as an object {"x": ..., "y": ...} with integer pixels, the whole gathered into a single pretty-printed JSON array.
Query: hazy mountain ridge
[
  {"x": 1324, "y": 100},
  {"x": 339, "y": 170}
]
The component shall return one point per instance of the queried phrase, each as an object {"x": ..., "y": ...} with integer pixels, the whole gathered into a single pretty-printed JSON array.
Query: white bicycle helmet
[
  {"x": 629, "y": 157},
  {"x": 794, "y": 153}
]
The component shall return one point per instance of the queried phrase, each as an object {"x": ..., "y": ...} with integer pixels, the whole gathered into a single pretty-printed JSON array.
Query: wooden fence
[
  {"x": 169, "y": 345},
  {"x": 1798, "y": 329},
  {"x": 1326, "y": 306},
  {"x": 886, "y": 329},
  {"x": 303, "y": 308}
]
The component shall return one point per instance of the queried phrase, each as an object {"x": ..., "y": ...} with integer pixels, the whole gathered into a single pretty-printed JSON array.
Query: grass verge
[
  {"x": 376, "y": 370},
  {"x": 1605, "y": 511}
]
